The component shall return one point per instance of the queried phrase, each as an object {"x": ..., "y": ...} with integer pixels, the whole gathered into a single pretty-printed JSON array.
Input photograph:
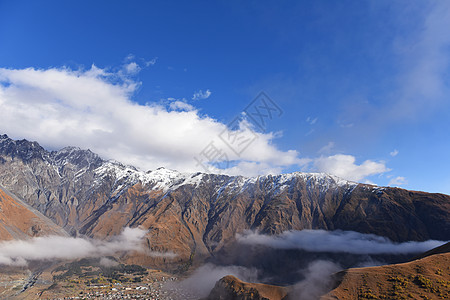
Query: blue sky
[{"x": 363, "y": 85}]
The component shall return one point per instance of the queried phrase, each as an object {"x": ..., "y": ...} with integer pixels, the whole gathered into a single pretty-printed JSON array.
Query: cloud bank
[
  {"x": 94, "y": 109},
  {"x": 336, "y": 242},
  {"x": 397, "y": 181},
  {"x": 344, "y": 166},
  {"x": 18, "y": 252}
]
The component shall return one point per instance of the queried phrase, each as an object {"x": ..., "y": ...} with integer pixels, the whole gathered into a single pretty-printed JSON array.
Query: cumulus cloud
[
  {"x": 18, "y": 252},
  {"x": 345, "y": 167},
  {"x": 335, "y": 242},
  {"x": 132, "y": 68},
  {"x": 94, "y": 109},
  {"x": 201, "y": 95},
  {"x": 151, "y": 62},
  {"x": 397, "y": 181}
]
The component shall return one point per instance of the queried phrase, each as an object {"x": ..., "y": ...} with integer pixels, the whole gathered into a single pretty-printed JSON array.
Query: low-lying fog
[{"x": 305, "y": 259}]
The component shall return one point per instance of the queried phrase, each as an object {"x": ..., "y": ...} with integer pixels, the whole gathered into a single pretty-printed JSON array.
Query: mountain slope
[
  {"x": 200, "y": 214},
  {"x": 230, "y": 287},
  {"x": 423, "y": 278},
  {"x": 19, "y": 221},
  {"x": 426, "y": 278}
]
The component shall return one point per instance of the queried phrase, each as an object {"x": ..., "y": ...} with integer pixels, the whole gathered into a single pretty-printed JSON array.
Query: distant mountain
[{"x": 197, "y": 215}]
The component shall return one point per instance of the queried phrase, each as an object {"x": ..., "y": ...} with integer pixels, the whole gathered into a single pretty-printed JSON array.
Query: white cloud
[
  {"x": 397, "y": 181},
  {"x": 130, "y": 57},
  {"x": 336, "y": 242},
  {"x": 327, "y": 148},
  {"x": 309, "y": 132},
  {"x": 180, "y": 105},
  {"x": 311, "y": 120},
  {"x": 18, "y": 252},
  {"x": 346, "y": 125},
  {"x": 132, "y": 68},
  {"x": 93, "y": 109},
  {"x": 394, "y": 153},
  {"x": 201, "y": 95},
  {"x": 367, "y": 181},
  {"x": 151, "y": 62},
  {"x": 134, "y": 65},
  {"x": 424, "y": 53},
  {"x": 344, "y": 166}
]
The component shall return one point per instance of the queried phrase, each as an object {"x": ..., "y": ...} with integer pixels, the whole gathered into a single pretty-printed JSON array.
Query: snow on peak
[
  {"x": 159, "y": 179},
  {"x": 167, "y": 179},
  {"x": 323, "y": 180}
]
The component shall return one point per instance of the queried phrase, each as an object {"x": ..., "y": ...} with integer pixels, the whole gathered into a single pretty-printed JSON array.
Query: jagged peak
[
  {"x": 76, "y": 156},
  {"x": 22, "y": 149},
  {"x": 72, "y": 149},
  {"x": 168, "y": 177},
  {"x": 68, "y": 149}
]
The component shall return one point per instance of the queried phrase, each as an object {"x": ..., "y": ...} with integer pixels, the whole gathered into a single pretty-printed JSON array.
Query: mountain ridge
[{"x": 198, "y": 214}]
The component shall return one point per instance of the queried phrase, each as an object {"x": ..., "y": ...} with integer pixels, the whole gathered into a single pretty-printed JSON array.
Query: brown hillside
[
  {"x": 19, "y": 221},
  {"x": 230, "y": 287},
  {"x": 426, "y": 278}
]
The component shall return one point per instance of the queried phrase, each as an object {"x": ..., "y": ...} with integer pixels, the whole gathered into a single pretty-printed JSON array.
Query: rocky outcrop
[{"x": 232, "y": 288}]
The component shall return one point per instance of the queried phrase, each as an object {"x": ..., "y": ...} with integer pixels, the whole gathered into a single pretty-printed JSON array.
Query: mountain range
[
  {"x": 193, "y": 218},
  {"x": 197, "y": 214}
]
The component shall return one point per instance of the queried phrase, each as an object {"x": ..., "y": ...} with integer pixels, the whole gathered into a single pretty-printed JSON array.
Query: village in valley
[{"x": 89, "y": 279}]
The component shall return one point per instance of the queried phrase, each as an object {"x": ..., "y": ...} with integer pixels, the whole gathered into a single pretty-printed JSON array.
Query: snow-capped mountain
[{"x": 201, "y": 213}]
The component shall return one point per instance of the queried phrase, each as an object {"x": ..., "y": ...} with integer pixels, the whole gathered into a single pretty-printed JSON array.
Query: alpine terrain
[{"x": 194, "y": 218}]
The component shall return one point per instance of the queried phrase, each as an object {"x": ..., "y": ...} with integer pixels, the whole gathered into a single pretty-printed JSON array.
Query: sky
[{"x": 358, "y": 89}]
